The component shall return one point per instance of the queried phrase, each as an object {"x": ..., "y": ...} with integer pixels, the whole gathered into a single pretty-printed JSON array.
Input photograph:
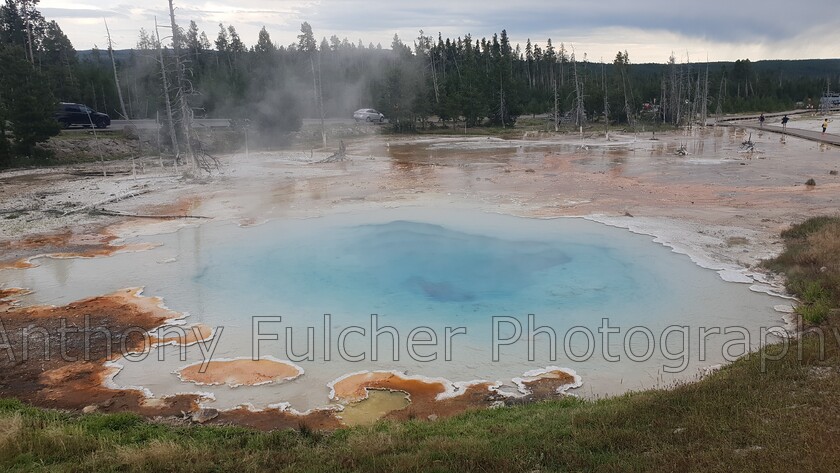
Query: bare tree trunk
[
  {"x": 116, "y": 77},
  {"x": 434, "y": 78},
  {"x": 694, "y": 109},
  {"x": 502, "y": 100},
  {"x": 186, "y": 115},
  {"x": 706, "y": 94},
  {"x": 677, "y": 96},
  {"x": 721, "y": 92},
  {"x": 321, "y": 103},
  {"x": 104, "y": 102},
  {"x": 579, "y": 110},
  {"x": 318, "y": 104},
  {"x": 606, "y": 103},
  {"x": 28, "y": 31},
  {"x": 170, "y": 119},
  {"x": 663, "y": 105},
  {"x": 157, "y": 135},
  {"x": 556, "y": 108},
  {"x": 425, "y": 42},
  {"x": 628, "y": 110}
]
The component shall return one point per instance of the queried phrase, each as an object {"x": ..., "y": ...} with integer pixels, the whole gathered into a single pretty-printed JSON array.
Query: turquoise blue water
[{"x": 407, "y": 269}]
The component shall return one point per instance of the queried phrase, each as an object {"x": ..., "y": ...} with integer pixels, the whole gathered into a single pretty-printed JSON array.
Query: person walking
[
  {"x": 761, "y": 121},
  {"x": 825, "y": 125},
  {"x": 785, "y": 121}
]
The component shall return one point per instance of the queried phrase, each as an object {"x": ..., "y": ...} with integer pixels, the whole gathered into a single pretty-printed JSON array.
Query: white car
[{"x": 368, "y": 115}]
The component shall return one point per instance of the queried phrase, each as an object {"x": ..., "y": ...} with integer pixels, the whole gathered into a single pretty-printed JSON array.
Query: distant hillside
[
  {"x": 89, "y": 54},
  {"x": 790, "y": 69}
]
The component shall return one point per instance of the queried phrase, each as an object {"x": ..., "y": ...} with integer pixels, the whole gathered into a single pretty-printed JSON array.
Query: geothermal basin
[{"x": 440, "y": 294}]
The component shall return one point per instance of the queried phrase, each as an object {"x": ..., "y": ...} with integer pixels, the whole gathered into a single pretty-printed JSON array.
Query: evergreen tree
[
  {"x": 222, "y": 41},
  {"x": 236, "y": 46},
  {"x": 27, "y": 101},
  {"x": 193, "y": 42},
  {"x": 264, "y": 44},
  {"x": 13, "y": 24}
]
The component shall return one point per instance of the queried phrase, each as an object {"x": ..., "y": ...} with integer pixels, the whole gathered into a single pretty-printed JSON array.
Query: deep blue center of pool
[{"x": 409, "y": 269}]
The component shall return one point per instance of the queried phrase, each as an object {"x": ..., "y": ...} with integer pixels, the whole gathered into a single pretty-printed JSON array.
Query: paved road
[
  {"x": 208, "y": 123},
  {"x": 151, "y": 124}
]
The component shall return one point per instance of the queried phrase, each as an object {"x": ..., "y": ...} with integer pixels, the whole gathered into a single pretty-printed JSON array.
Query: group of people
[{"x": 785, "y": 121}]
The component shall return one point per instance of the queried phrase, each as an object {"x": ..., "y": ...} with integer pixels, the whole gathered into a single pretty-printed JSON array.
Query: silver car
[{"x": 368, "y": 115}]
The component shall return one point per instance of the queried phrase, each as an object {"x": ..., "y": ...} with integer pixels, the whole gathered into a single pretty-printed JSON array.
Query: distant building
[{"x": 830, "y": 101}]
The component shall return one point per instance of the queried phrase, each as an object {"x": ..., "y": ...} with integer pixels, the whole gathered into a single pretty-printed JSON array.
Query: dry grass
[
  {"x": 822, "y": 248},
  {"x": 10, "y": 429},
  {"x": 811, "y": 263},
  {"x": 156, "y": 455}
]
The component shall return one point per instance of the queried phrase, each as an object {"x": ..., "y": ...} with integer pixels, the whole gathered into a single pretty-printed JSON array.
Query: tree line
[{"x": 417, "y": 83}]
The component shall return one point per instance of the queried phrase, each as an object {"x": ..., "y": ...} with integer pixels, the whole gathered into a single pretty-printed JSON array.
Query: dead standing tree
[
  {"x": 719, "y": 106},
  {"x": 675, "y": 90},
  {"x": 24, "y": 6},
  {"x": 622, "y": 61},
  {"x": 307, "y": 44},
  {"x": 170, "y": 120},
  {"x": 425, "y": 46},
  {"x": 606, "y": 102},
  {"x": 580, "y": 111},
  {"x": 186, "y": 114},
  {"x": 556, "y": 106},
  {"x": 116, "y": 76},
  {"x": 502, "y": 99},
  {"x": 704, "y": 105}
]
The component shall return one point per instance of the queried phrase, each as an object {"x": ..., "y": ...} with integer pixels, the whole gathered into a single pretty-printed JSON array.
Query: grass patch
[{"x": 811, "y": 263}]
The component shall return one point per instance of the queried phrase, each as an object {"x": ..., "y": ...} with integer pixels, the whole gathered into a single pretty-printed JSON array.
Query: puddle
[{"x": 376, "y": 406}]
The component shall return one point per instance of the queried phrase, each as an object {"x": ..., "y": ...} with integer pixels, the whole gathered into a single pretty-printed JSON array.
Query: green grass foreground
[{"x": 741, "y": 418}]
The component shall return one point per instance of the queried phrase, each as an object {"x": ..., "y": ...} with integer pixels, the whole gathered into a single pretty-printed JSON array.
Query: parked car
[
  {"x": 368, "y": 115},
  {"x": 69, "y": 114}
]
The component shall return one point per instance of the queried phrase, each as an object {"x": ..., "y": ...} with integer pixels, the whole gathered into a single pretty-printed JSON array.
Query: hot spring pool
[{"x": 454, "y": 294}]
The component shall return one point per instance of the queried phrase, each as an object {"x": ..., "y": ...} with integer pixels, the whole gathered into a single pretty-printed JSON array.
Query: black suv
[{"x": 69, "y": 114}]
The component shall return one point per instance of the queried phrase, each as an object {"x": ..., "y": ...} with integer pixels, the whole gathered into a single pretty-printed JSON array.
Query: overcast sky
[{"x": 648, "y": 29}]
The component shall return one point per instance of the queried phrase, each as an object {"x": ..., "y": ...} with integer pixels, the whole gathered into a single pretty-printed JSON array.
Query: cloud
[
  {"x": 724, "y": 29},
  {"x": 59, "y": 14}
]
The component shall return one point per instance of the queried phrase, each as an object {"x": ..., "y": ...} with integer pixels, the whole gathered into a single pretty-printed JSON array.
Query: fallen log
[
  {"x": 109, "y": 200},
  {"x": 86, "y": 173},
  {"x": 339, "y": 156},
  {"x": 18, "y": 211},
  {"x": 113, "y": 213}
]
